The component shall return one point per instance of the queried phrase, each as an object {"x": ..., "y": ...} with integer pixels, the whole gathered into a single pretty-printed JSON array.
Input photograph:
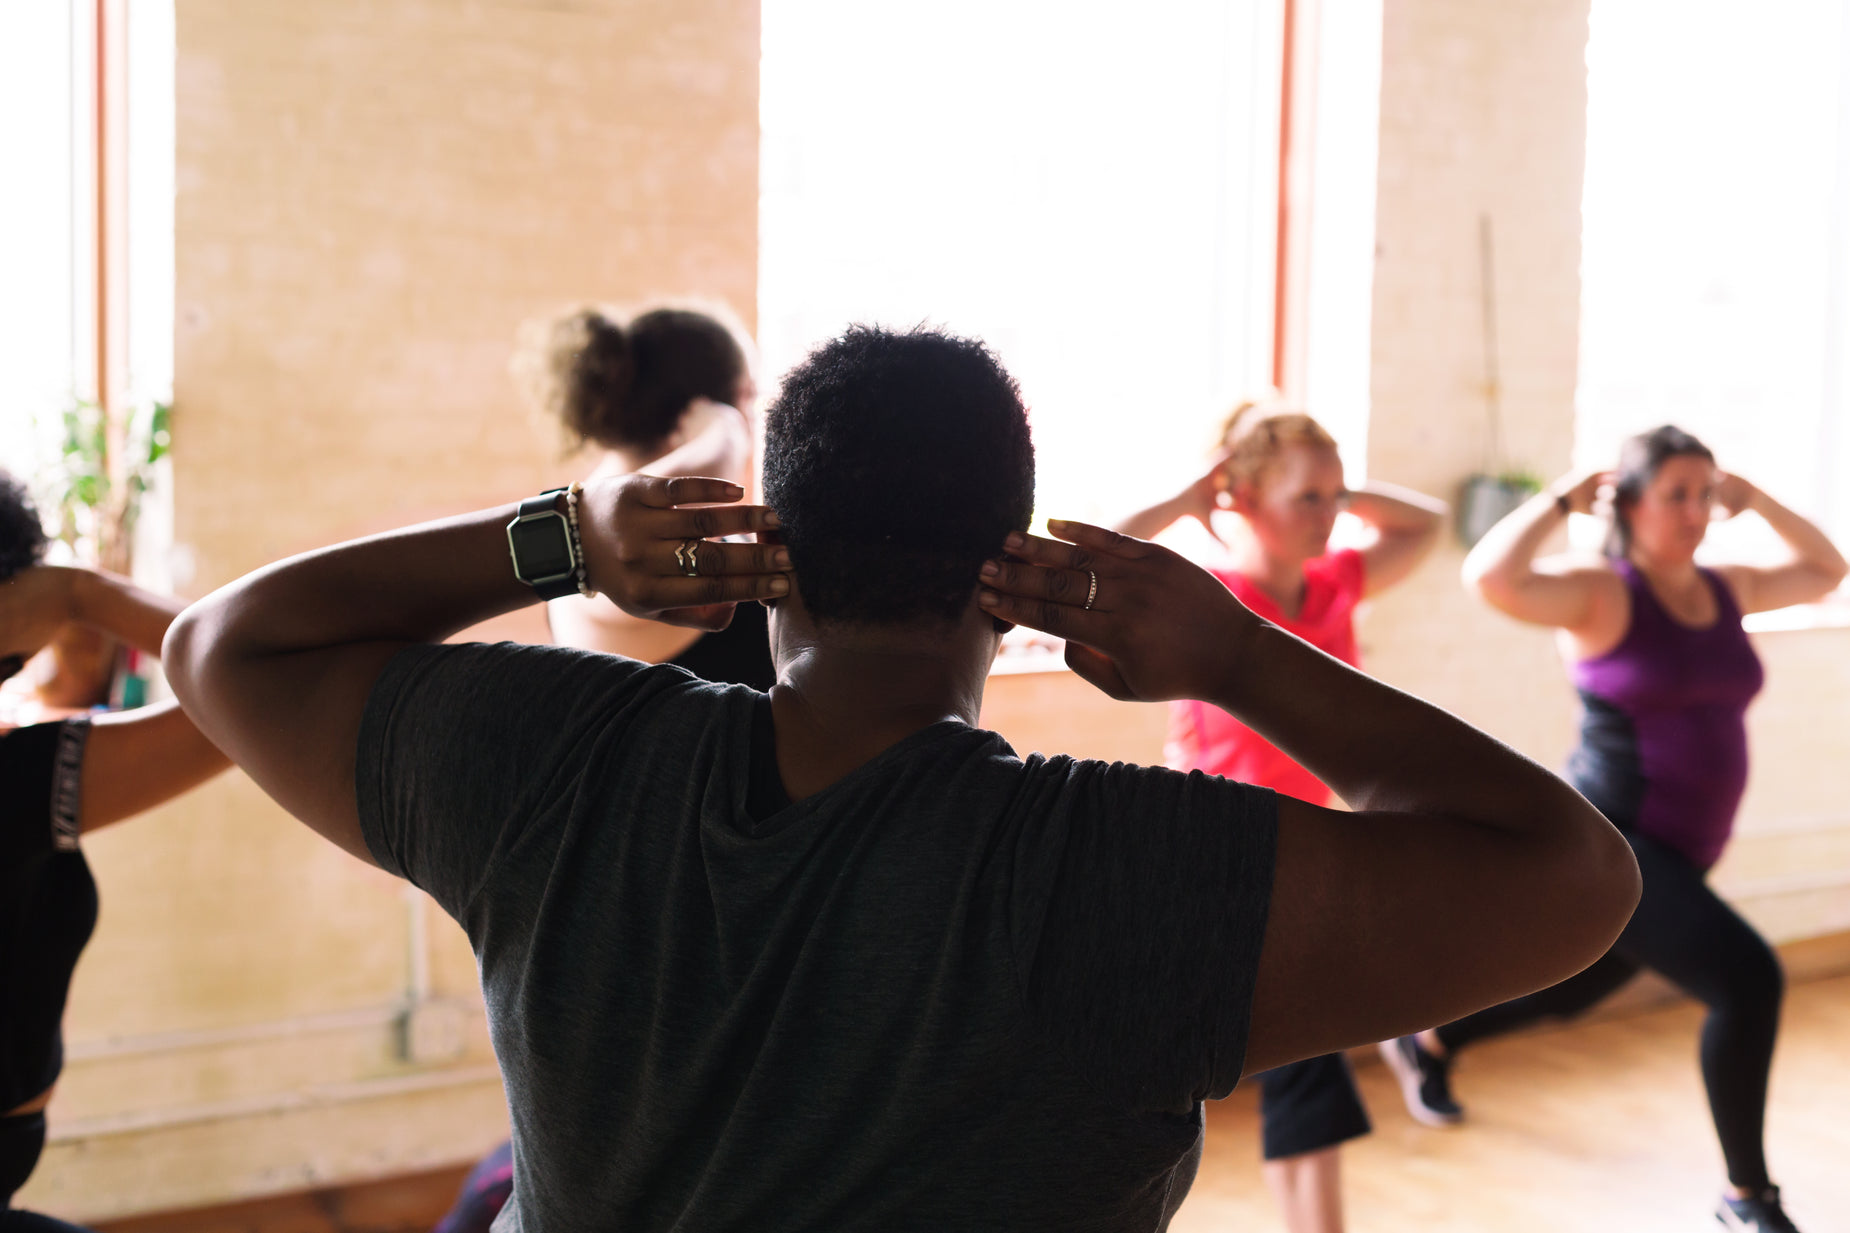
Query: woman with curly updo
[
  {"x": 58, "y": 783},
  {"x": 669, "y": 393}
]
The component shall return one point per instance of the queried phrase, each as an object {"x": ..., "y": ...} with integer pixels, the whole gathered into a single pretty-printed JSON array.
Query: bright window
[
  {"x": 1090, "y": 188},
  {"x": 1716, "y": 268},
  {"x": 52, "y": 300}
]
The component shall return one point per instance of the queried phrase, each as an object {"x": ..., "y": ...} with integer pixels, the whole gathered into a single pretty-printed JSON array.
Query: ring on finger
[
  {"x": 1091, "y": 590},
  {"x": 685, "y": 557}
]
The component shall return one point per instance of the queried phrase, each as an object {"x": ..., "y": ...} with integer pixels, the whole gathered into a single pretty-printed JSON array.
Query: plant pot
[{"x": 1486, "y": 500}]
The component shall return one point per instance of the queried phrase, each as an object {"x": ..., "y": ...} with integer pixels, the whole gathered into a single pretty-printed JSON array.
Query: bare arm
[
  {"x": 715, "y": 440},
  {"x": 1588, "y": 602},
  {"x": 1468, "y": 873},
  {"x": 1198, "y": 501},
  {"x": 1813, "y": 570},
  {"x": 133, "y": 760},
  {"x": 277, "y": 666},
  {"x": 1403, "y": 524}
]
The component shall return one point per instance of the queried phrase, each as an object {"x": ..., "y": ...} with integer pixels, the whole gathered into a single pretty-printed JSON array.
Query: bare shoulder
[
  {"x": 1741, "y": 581},
  {"x": 1605, "y": 608},
  {"x": 1589, "y": 568}
]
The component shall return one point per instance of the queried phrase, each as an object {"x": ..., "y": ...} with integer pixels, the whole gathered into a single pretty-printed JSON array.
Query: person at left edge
[{"x": 59, "y": 783}]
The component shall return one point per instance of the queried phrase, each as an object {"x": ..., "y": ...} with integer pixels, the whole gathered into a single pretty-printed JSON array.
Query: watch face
[{"x": 541, "y": 548}]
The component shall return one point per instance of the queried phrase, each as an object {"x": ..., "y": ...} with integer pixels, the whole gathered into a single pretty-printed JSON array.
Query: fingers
[
  {"x": 1101, "y": 540},
  {"x": 662, "y": 492},
  {"x": 1047, "y": 552},
  {"x": 681, "y": 593},
  {"x": 710, "y": 558},
  {"x": 707, "y": 521},
  {"x": 1062, "y": 586},
  {"x": 1049, "y": 616}
]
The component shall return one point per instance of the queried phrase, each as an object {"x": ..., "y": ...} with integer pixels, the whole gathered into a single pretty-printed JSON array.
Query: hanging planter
[
  {"x": 1490, "y": 495},
  {"x": 1486, "y": 500}
]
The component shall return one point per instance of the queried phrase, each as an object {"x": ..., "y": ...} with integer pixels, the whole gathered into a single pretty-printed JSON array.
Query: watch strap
[
  {"x": 545, "y": 503},
  {"x": 564, "y": 584}
]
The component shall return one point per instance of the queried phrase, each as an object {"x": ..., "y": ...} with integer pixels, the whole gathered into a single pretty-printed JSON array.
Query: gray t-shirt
[{"x": 956, "y": 989}]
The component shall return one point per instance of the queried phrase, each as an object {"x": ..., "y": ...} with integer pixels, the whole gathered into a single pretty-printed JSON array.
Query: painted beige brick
[{"x": 371, "y": 196}]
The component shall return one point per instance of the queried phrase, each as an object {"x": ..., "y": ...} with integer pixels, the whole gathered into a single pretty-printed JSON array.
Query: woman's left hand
[
  {"x": 1733, "y": 494},
  {"x": 652, "y": 547}
]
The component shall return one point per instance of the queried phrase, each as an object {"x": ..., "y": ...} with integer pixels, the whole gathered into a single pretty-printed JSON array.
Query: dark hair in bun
[
  {"x": 22, "y": 536},
  {"x": 626, "y": 386}
]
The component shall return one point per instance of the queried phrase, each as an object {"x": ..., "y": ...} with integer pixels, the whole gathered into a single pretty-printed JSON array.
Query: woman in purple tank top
[{"x": 1655, "y": 647}]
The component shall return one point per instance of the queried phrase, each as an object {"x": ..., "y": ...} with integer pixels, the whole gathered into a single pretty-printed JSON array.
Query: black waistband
[{"x": 1605, "y": 767}]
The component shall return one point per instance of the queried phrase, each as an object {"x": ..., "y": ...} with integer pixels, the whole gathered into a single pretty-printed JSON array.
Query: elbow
[
  {"x": 1614, "y": 881},
  {"x": 184, "y": 655},
  {"x": 1424, "y": 533},
  {"x": 1597, "y": 888},
  {"x": 1480, "y": 579},
  {"x": 1836, "y": 573}
]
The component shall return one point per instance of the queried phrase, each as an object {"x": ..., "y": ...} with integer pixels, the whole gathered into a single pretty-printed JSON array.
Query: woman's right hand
[
  {"x": 1204, "y": 494},
  {"x": 1158, "y": 627},
  {"x": 1584, "y": 489},
  {"x": 1207, "y": 494}
]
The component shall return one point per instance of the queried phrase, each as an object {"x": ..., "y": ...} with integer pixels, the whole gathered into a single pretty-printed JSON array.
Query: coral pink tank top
[{"x": 1206, "y": 738}]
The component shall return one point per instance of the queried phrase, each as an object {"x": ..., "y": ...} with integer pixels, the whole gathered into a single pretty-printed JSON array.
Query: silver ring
[
  {"x": 1091, "y": 591},
  {"x": 684, "y": 556}
]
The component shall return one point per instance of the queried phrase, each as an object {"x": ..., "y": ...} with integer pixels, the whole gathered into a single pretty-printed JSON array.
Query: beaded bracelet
[{"x": 578, "y": 546}]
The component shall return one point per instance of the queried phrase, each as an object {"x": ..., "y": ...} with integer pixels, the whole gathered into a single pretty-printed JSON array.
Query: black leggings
[
  {"x": 1685, "y": 933},
  {"x": 21, "y": 1140}
]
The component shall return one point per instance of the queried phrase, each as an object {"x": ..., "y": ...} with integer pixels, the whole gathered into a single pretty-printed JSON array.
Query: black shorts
[
  {"x": 1310, "y": 1105},
  {"x": 22, "y": 1138}
]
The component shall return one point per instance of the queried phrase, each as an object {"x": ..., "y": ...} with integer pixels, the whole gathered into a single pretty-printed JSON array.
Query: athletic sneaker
[
  {"x": 1760, "y": 1214},
  {"x": 1425, "y": 1081}
]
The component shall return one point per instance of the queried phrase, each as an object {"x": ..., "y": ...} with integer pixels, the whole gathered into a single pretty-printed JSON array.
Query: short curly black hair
[
  {"x": 897, "y": 463},
  {"x": 22, "y": 535}
]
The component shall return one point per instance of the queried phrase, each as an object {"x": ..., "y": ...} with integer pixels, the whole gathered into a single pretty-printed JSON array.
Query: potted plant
[
  {"x": 93, "y": 490},
  {"x": 1486, "y": 499}
]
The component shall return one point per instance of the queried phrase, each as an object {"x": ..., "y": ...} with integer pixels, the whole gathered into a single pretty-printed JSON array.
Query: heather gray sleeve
[
  {"x": 1138, "y": 924},
  {"x": 463, "y": 747}
]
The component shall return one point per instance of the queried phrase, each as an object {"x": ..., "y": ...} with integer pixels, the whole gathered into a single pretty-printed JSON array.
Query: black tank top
[
  {"x": 47, "y": 901},
  {"x": 740, "y": 654}
]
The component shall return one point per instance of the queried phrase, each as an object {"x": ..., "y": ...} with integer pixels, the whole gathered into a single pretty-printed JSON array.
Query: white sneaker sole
[{"x": 1408, "y": 1076}]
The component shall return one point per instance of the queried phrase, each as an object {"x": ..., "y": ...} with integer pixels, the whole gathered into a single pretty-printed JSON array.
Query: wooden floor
[{"x": 1600, "y": 1128}]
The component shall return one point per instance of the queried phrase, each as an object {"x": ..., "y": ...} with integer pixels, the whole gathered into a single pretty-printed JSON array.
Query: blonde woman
[{"x": 1278, "y": 470}]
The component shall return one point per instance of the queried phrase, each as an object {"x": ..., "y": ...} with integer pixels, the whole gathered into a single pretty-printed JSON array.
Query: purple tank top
[{"x": 1663, "y": 734}]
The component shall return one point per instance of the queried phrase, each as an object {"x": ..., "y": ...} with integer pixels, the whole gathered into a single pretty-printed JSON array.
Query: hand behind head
[{"x": 1158, "y": 627}]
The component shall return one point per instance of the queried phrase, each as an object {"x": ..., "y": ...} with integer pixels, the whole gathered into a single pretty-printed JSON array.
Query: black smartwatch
[{"x": 540, "y": 541}]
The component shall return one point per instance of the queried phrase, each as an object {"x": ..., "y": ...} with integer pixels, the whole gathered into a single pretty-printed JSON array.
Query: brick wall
[{"x": 372, "y": 194}]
